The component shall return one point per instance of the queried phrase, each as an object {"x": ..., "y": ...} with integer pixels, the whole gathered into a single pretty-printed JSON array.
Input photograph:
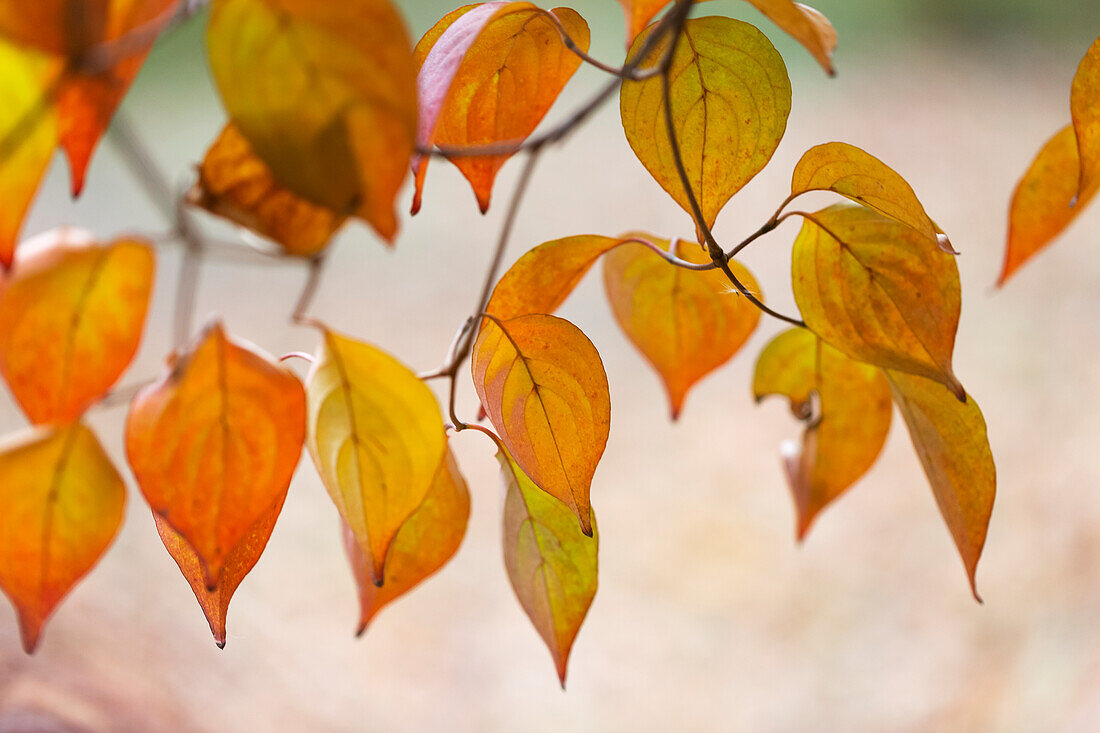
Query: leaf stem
[{"x": 309, "y": 291}]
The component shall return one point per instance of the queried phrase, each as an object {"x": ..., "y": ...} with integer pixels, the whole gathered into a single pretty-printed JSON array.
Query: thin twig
[
  {"x": 623, "y": 72},
  {"x": 309, "y": 291}
]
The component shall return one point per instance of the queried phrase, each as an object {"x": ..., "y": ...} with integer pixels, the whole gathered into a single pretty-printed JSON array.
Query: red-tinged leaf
[
  {"x": 375, "y": 436},
  {"x": 878, "y": 291},
  {"x": 325, "y": 93},
  {"x": 951, "y": 442},
  {"x": 686, "y": 323},
  {"x": 843, "y": 440},
  {"x": 426, "y": 541},
  {"x": 489, "y": 73},
  {"x": 1084, "y": 105},
  {"x": 543, "y": 386},
  {"x": 730, "y": 99},
  {"x": 71, "y": 317},
  {"x": 551, "y": 564},
  {"x": 214, "y": 443},
  {"x": 62, "y": 505}
]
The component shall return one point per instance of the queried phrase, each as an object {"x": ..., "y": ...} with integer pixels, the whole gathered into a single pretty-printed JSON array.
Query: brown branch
[{"x": 309, "y": 292}]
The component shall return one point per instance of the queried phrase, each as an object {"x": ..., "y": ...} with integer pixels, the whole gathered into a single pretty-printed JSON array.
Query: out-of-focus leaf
[
  {"x": 951, "y": 442},
  {"x": 1046, "y": 201},
  {"x": 214, "y": 443},
  {"x": 62, "y": 505},
  {"x": 376, "y": 438},
  {"x": 71, "y": 317},
  {"x": 686, "y": 323},
  {"x": 1084, "y": 104},
  {"x": 843, "y": 440},
  {"x": 423, "y": 545},
  {"x": 552, "y": 565},
  {"x": 730, "y": 101},
  {"x": 325, "y": 93},
  {"x": 489, "y": 73},
  {"x": 878, "y": 291},
  {"x": 543, "y": 386},
  {"x": 234, "y": 183}
]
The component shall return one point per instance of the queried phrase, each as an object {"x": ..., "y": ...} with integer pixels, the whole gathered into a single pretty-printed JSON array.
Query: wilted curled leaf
[
  {"x": 543, "y": 386},
  {"x": 63, "y": 502},
  {"x": 71, "y": 317},
  {"x": 489, "y": 73},
  {"x": 1084, "y": 104},
  {"x": 686, "y": 323},
  {"x": 730, "y": 99},
  {"x": 951, "y": 442},
  {"x": 234, "y": 183},
  {"x": 551, "y": 564},
  {"x": 423, "y": 545},
  {"x": 376, "y": 438},
  {"x": 325, "y": 93},
  {"x": 844, "y": 439},
  {"x": 878, "y": 291},
  {"x": 214, "y": 443}
]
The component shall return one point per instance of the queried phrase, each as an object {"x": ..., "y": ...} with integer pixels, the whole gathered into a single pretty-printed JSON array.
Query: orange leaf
[
  {"x": 423, "y": 545},
  {"x": 951, "y": 442},
  {"x": 686, "y": 323},
  {"x": 63, "y": 503},
  {"x": 489, "y": 73},
  {"x": 214, "y": 443},
  {"x": 844, "y": 439},
  {"x": 234, "y": 183},
  {"x": 1084, "y": 105},
  {"x": 325, "y": 93},
  {"x": 71, "y": 318},
  {"x": 543, "y": 386},
  {"x": 552, "y": 565}
]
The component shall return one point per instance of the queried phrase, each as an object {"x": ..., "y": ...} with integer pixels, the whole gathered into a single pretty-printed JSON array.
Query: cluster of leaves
[{"x": 330, "y": 108}]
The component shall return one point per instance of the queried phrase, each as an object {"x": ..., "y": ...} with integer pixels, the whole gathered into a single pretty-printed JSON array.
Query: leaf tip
[
  {"x": 30, "y": 633},
  {"x": 220, "y": 643}
]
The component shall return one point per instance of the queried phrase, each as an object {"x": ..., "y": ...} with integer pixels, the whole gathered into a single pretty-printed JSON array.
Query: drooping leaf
[
  {"x": 62, "y": 505},
  {"x": 325, "y": 93},
  {"x": 878, "y": 291},
  {"x": 234, "y": 183},
  {"x": 845, "y": 436},
  {"x": 543, "y": 386},
  {"x": 1046, "y": 201},
  {"x": 1084, "y": 104},
  {"x": 376, "y": 438},
  {"x": 730, "y": 99},
  {"x": 423, "y": 545},
  {"x": 489, "y": 73},
  {"x": 71, "y": 317},
  {"x": 686, "y": 323},
  {"x": 951, "y": 442},
  {"x": 214, "y": 443},
  {"x": 551, "y": 564}
]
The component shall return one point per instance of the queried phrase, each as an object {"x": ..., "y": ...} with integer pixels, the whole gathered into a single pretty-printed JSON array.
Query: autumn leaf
[
  {"x": 551, "y": 564},
  {"x": 489, "y": 73},
  {"x": 878, "y": 291},
  {"x": 423, "y": 545},
  {"x": 71, "y": 317},
  {"x": 235, "y": 184},
  {"x": 214, "y": 443},
  {"x": 63, "y": 502},
  {"x": 686, "y": 323},
  {"x": 325, "y": 93},
  {"x": 543, "y": 386},
  {"x": 730, "y": 99},
  {"x": 376, "y": 438},
  {"x": 1084, "y": 104},
  {"x": 951, "y": 442},
  {"x": 844, "y": 438}
]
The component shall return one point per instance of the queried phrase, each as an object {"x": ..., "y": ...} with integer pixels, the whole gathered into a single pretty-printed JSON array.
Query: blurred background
[{"x": 709, "y": 615}]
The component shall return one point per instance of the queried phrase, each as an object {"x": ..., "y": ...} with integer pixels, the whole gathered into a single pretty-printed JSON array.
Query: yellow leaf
[
  {"x": 325, "y": 92},
  {"x": 63, "y": 502},
  {"x": 730, "y": 99},
  {"x": 845, "y": 436},
  {"x": 1084, "y": 104},
  {"x": 543, "y": 386},
  {"x": 552, "y": 565},
  {"x": 951, "y": 442},
  {"x": 686, "y": 323},
  {"x": 376, "y": 438},
  {"x": 878, "y": 291}
]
